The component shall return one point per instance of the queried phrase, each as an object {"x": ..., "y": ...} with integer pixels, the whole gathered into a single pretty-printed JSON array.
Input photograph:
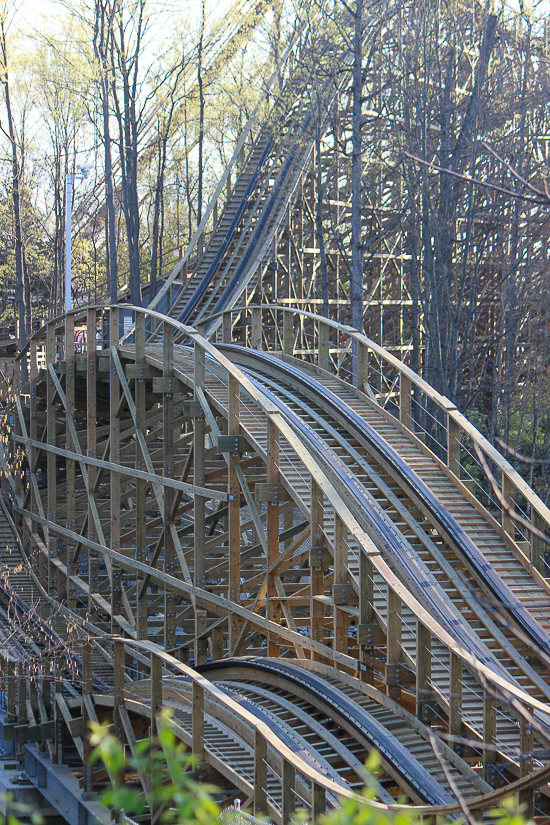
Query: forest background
[{"x": 151, "y": 98}]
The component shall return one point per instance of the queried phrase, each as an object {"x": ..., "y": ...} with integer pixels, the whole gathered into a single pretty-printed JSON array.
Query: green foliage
[
  {"x": 167, "y": 765},
  {"x": 181, "y": 799}
]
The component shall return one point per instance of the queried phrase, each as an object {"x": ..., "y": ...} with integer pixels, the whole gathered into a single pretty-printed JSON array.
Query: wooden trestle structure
[
  {"x": 202, "y": 509},
  {"x": 300, "y": 569}
]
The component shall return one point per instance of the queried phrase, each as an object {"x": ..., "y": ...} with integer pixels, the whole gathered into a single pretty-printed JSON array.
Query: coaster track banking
[{"x": 301, "y": 527}]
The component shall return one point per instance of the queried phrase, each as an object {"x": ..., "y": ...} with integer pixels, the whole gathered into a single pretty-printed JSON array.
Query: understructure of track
[
  {"x": 270, "y": 526},
  {"x": 296, "y": 567}
]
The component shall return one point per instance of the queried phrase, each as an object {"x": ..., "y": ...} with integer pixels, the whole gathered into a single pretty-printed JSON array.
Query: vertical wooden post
[
  {"x": 234, "y": 493},
  {"x": 156, "y": 692},
  {"x": 168, "y": 470},
  {"x": 141, "y": 485},
  {"x": 70, "y": 464},
  {"x": 58, "y": 755},
  {"x": 508, "y": 490},
  {"x": 288, "y": 332},
  {"x": 288, "y": 781},
  {"x": 405, "y": 400},
  {"x": 21, "y": 693},
  {"x": 316, "y": 562},
  {"x": 198, "y": 721},
  {"x": 201, "y": 646},
  {"x": 538, "y": 545},
  {"x": 10, "y": 679},
  {"x": 318, "y": 801},
  {"x": 272, "y": 532},
  {"x": 527, "y": 742},
  {"x": 260, "y": 774},
  {"x": 86, "y": 693},
  {"x": 453, "y": 446},
  {"x": 323, "y": 344},
  {"x": 217, "y": 643},
  {"x": 365, "y": 630},
  {"x": 33, "y": 432},
  {"x": 393, "y": 645},
  {"x": 455, "y": 699},
  {"x": 362, "y": 365},
  {"x": 51, "y": 544},
  {"x": 115, "y": 478},
  {"x": 423, "y": 673},
  {"x": 118, "y": 692},
  {"x": 340, "y": 627},
  {"x": 489, "y": 738},
  {"x": 91, "y": 430},
  {"x": 256, "y": 328},
  {"x": 226, "y": 327}
]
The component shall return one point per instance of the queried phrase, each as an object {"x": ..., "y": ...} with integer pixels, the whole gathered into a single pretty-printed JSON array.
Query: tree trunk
[{"x": 16, "y": 198}]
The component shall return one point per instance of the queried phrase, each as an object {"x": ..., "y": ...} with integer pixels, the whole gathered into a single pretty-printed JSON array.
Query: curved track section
[{"x": 324, "y": 568}]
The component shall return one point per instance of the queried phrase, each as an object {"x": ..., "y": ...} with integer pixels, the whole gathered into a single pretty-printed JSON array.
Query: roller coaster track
[
  {"x": 302, "y": 565},
  {"x": 223, "y": 500}
]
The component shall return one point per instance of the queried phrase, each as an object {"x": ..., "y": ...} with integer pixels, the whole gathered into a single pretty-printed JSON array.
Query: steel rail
[
  {"x": 216, "y": 603},
  {"x": 342, "y": 709},
  {"x": 441, "y": 515}
]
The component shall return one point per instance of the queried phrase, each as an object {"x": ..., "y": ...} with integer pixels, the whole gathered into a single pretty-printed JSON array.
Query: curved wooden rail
[
  {"x": 406, "y": 387},
  {"x": 166, "y": 373}
]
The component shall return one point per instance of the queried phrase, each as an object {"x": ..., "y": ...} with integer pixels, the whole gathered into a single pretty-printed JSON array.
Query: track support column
[
  {"x": 272, "y": 533},
  {"x": 234, "y": 493},
  {"x": 201, "y": 646}
]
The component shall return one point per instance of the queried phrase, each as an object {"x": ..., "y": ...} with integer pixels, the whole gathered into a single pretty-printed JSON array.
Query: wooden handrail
[{"x": 441, "y": 401}]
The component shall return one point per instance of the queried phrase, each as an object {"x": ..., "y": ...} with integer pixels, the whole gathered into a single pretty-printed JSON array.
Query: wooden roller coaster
[{"x": 303, "y": 567}]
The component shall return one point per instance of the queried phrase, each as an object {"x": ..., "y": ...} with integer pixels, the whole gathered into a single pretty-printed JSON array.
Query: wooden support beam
[
  {"x": 453, "y": 446},
  {"x": 317, "y": 564},
  {"x": 260, "y": 774},
  {"x": 115, "y": 477},
  {"x": 198, "y": 721},
  {"x": 393, "y": 646},
  {"x": 455, "y": 699},
  {"x": 201, "y": 647},
  {"x": 234, "y": 516},
  {"x": 424, "y": 692},
  {"x": 508, "y": 490},
  {"x": 318, "y": 801},
  {"x": 86, "y": 692},
  {"x": 288, "y": 332},
  {"x": 272, "y": 534},
  {"x": 323, "y": 345},
  {"x": 70, "y": 519},
  {"x": 288, "y": 789},
  {"x": 141, "y": 608},
  {"x": 156, "y": 692},
  {"x": 91, "y": 449},
  {"x": 527, "y": 743},
  {"x": 169, "y": 495},
  {"x": 405, "y": 400},
  {"x": 489, "y": 738},
  {"x": 50, "y": 579}
]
